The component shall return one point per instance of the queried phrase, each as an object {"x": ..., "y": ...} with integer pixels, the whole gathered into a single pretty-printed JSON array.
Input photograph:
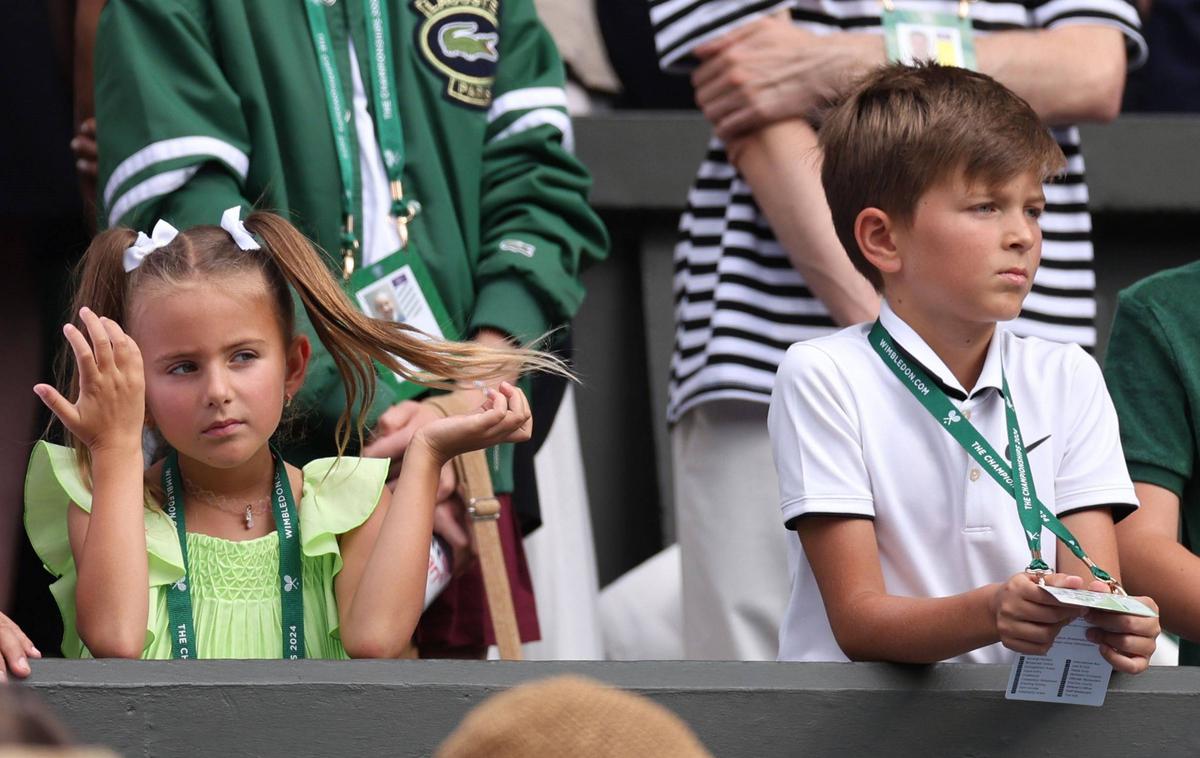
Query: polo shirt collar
[{"x": 919, "y": 351}]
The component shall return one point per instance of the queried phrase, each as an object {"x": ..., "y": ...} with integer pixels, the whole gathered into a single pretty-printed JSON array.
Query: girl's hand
[
  {"x": 1125, "y": 641},
  {"x": 1028, "y": 619},
  {"x": 111, "y": 408},
  {"x": 503, "y": 417},
  {"x": 15, "y": 650}
]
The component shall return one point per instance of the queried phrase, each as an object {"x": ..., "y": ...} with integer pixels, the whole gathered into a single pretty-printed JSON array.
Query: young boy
[{"x": 910, "y": 549}]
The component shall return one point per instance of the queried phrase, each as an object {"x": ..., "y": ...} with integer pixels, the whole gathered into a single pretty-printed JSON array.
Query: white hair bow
[
  {"x": 161, "y": 237},
  {"x": 231, "y": 221}
]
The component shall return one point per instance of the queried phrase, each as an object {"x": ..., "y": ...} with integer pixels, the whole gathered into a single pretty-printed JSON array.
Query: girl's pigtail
[
  {"x": 356, "y": 341},
  {"x": 100, "y": 284}
]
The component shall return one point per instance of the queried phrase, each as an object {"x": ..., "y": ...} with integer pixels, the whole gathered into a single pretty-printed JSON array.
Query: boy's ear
[
  {"x": 874, "y": 232},
  {"x": 298, "y": 355}
]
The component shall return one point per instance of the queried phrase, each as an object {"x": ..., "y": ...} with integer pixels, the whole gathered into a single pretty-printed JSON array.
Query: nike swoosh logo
[{"x": 1028, "y": 448}]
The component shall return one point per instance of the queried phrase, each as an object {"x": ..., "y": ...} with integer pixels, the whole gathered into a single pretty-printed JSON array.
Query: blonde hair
[
  {"x": 288, "y": 260},
  {"x": 903, "y": 129}
]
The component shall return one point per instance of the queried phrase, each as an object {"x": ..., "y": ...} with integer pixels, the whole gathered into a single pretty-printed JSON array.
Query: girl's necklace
[{"x": 228, "y": 504}]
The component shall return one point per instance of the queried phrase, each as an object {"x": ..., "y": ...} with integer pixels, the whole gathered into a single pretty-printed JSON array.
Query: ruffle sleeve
[
  {"x": 54, "y": 481},
  {"x": 339, "y": 495}
]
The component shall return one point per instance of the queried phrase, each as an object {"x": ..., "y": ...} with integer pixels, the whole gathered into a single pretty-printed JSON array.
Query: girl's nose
[{"x": 220, "y": 390}]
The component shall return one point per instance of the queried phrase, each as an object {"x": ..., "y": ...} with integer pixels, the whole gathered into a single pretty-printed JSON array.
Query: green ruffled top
[{"x": 235, "y": 585}]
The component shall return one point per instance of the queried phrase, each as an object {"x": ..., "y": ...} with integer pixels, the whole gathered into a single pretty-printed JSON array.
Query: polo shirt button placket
[{"x": 974, "y": 475}]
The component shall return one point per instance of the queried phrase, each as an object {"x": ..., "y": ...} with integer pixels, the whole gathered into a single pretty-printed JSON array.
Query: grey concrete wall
[
  {"x": 1144, "y": 179},
  {"x": 406, "y": 708}
]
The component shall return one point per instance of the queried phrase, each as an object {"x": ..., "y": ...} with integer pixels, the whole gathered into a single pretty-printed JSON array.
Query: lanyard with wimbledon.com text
[
  {"x": 291, "y": 598},
  {"x": 1033, "y": 512},
  {"x": 389, "y": 129}
]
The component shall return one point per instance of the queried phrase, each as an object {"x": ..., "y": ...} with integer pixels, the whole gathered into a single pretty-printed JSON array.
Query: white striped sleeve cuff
[
  {"x": 120, "y": 199},
  {"x": 537, "y": 106}
]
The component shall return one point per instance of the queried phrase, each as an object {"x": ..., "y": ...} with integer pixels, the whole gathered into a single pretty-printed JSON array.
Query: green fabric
[
  {"x": 246, "y": 75},
  {"x": 1152, "y": 368},
  {"x": 235, "y": 585}
]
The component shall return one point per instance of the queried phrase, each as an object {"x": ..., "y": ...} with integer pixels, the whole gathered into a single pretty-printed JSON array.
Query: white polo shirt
[{"x": 850, "y": 439}]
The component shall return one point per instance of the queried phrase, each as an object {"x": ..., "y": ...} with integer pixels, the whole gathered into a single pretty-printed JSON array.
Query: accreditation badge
[
  {"x": 944, "y": 38},
  {"x": 400, "y": 288}
]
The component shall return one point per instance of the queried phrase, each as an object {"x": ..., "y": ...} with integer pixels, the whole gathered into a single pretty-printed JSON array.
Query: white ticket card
[
  {"x": 1072, "y": 671},
  {"x": 1101, "y": 600}
]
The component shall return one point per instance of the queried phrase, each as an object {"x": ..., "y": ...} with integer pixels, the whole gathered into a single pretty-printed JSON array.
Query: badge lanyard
[
  {"x": 1033, "y": 512},
  {"x": 388, "y": 128},
  {"x": 287, "y": 524},
  {"x": 947, "y": 39}
]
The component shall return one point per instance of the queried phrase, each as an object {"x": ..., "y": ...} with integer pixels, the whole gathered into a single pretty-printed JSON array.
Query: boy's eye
[
  {"x": 984, "y": 208},
  {"x": 1034, "y": 212},
  {"x": 245, "y": 355},
  {"x": 182, "y": 368}
]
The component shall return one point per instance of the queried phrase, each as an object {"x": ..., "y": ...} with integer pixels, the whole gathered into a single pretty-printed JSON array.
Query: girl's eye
[
  {"x": 1034, "y": 212},
  {"x": 244, "y": 356},
  {"x": 985, "y": 208},
  {"x": 182, "y": 368}
]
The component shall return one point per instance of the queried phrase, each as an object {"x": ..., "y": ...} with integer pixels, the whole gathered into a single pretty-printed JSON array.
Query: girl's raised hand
[
  {"x": 111, "y": 408},
  {"x": 503, "y": 417}
]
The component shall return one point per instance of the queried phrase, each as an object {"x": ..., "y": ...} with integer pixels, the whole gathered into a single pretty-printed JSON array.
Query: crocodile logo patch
[{"x": 460, "y": 41}]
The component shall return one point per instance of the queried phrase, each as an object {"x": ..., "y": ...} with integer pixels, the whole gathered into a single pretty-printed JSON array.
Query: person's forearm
[
  {"x": 781, "y": 163},
  {"x": 881, "y": 627},
  {"x": 1068, "y": 75},
  {"x": 1160, "y": 566},
  {"x": 112, "y": 597},
  {"x": 387, "y": 603}
]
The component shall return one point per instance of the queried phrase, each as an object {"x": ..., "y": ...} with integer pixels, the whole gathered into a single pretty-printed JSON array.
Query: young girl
[{"x": 219, "y": 548}]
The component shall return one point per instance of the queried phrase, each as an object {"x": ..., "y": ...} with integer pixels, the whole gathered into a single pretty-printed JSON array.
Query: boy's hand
[
  {"x": 1125, "y": 641},
  {"x": 1027, "y": 619},
  {"x": 503, "y": 417},
  {"x": 15, "y": 650},
  {"x": 111, "y": 408}
]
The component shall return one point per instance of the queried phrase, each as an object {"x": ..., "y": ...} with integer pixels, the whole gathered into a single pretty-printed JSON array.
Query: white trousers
[
  {"x": 560, "y": 553},
  {"x": 731, "y": 536}
]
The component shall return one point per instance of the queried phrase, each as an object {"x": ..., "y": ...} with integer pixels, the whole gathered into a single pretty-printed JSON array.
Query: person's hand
[
  {"x": 1028, "y": 619},
  {"x": 771, "y": 70},
  {"x": 504, "y": 416},
  {"x": 450, "y": 523},
  {"x": 111, "y": 408},
  {"x": 15, "y": 650},
  {"x": 83, "y": 147},
  {"x": 1125, "y": 641},
  {"x": 396, "y": 426}
]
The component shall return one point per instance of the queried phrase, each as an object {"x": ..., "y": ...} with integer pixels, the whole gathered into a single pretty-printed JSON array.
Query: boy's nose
[{"x": 1022, "y": 236}]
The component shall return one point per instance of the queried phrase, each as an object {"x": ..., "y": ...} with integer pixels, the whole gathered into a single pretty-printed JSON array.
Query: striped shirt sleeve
[
  {"x": 682, "y": 25},
  {"x": 1119, "y": 14}
]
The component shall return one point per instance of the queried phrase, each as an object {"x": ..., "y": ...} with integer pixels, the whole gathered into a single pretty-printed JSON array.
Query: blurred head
[{"x": 571, "y": 716}]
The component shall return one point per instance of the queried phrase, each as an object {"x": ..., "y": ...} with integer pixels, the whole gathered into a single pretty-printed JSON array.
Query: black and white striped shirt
[{"x": 739, "y": 303}]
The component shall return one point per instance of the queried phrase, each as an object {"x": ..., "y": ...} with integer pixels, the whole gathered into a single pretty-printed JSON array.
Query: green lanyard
[
  {"x": 179, "y": 596},
  {"x": 388, "y": 128},
  {"x": 1033, "y": 512}
]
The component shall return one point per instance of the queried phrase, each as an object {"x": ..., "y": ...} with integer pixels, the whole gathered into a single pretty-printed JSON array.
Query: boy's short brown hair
[{"x": 903, "y": 129}]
